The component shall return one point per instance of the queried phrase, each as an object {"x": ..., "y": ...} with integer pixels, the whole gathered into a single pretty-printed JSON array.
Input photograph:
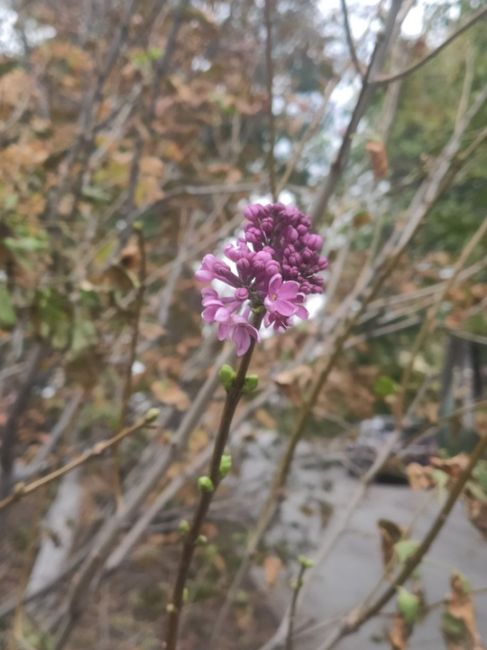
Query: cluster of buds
[{"x": 276, "y": 264}]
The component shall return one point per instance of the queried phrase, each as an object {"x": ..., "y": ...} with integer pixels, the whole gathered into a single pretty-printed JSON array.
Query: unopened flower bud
[
  {"x": 225, "y": 465},
  {"x": 250, "y": 384},
  {"x": 205, "y": 484},
  {"x": 227, "y": 376},
  {"x": 152, "y": 415}
]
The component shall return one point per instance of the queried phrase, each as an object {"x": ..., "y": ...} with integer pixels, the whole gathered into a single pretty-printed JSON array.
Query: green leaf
[
  {"x": 408, "y": 605},
  {"x": 385, "y": 386},
  {"x": 480, "y": 474},
  {"x": 84, "y": 335},
  {"x": 225, "y": 465},
  {"x": 250, "y": 384},
  {"x": 227, "y": 376},
  {"x": 205, "y": 484},
  {"x": 96, "y": 194},
  {"x": 7, "y": 312},
  {"x": 405, "y": 549},
  {"x": 25, "y": 244},
  {"x": 10, "y": 201}
]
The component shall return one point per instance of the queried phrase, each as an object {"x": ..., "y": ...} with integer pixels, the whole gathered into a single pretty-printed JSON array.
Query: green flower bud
[
  {"x": 225, "y": 465},
  {"x": 205, "y": 484},
  {"x": 250, "y": 384},
  {"x": 227, "y": 376},
  {"x": 408, "y": 605},
  {"x": 183, "y": 527},
  {"x": 152, "y": 415},
  {"x": 305, "y": 562}
]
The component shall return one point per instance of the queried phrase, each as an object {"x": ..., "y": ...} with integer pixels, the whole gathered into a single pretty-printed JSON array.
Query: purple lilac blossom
[{"x": 277, "y": 263}]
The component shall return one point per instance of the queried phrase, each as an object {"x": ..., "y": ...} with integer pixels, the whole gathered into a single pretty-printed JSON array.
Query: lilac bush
[{"x": 276, "y": 265}]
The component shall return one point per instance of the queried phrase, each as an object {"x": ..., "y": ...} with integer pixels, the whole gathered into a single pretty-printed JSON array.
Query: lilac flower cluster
[{"x": 276, "y": 265}]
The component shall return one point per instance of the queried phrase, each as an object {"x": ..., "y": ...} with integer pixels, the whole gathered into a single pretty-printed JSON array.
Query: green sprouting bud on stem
[
  {"x": 227, "y": 376},
  {"x": 202, "y": 540},
  {"x": 296, "y": 584},
  {"x": 225, "y": 465},
  {"x": 205, "y": 484},
  {"x": 305, "y": 562},
  {"x": 170, "y": 608},
  {"x": 408, "y": 605},
  {"x": 250, "y": 384},
  {"x": 183, "y": 527},
  {"x": 152, "y": 415}
]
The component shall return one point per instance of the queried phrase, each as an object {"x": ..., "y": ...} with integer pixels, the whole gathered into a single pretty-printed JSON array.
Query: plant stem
[
  {"x": 234, "y": 394},
  {"x": 294, "y": 603}
]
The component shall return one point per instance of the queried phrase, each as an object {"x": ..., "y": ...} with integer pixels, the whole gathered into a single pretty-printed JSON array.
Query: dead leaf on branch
[
  {"x": 272, "y": 568},
  {"x": 420, "y": 477},
  {"x": 293, "y": 382},
  {"x": 398, "y": 633},
  {"x": 452, "y": 466},
  {"x": 378, "y": 158},
  {"x": 390, "y": 534},
  {"x": 459, "y": 624},
  {"x": 168, "y": 392}
]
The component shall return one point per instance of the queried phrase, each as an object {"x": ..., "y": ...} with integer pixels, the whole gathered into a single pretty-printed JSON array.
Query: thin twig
[
  {"x": 350, "y": 42},
  {"x": 294, "y": 603},
  {"x": 385, "y": 79},
  {"x": 271, "y": 165},
  {"x": 366, "y": 94},
  {"x": 21, "y": 490},
  {"x": 40, "y": 462}
]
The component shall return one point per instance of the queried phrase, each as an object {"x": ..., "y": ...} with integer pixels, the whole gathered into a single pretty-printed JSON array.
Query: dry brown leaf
[
  {"x": 272, "y": 568},
  {"x": 390, "y": 534},
  {"x": 419, "y": 477},
  {"x": 265, "y": 419},
  {"x": 289, "y": 377},
  {"x": 152, "y": 166},
  {"x": 460, "y": 607},
  {"x": 15, "y": 86},
  {"x": 452, "y": 466},
  {"x": 378, "y": 158},
  {"x": 477, "y": 512},
  {"x": 398, "y": 634},
  {"x": 130, "y": 256},
  {"x": 293, "y": 382},
  {"x": 168, "y": 392}
]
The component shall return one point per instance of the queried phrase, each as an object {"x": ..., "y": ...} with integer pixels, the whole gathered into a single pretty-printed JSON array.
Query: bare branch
[
  {"x": 270, "y": 97},
  {"x": 351, "y": 44},
  {"x": 365, "y": 96},
  {"x": 383, "y": 80},
  {"x": 23, "y": 489}
]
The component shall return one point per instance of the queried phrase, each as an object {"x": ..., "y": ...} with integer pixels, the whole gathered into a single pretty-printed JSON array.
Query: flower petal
[
  {"x": 284, "y": 307},
  {"x": 289, "y": 290},
  {"x": 275, "y": 283}
]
